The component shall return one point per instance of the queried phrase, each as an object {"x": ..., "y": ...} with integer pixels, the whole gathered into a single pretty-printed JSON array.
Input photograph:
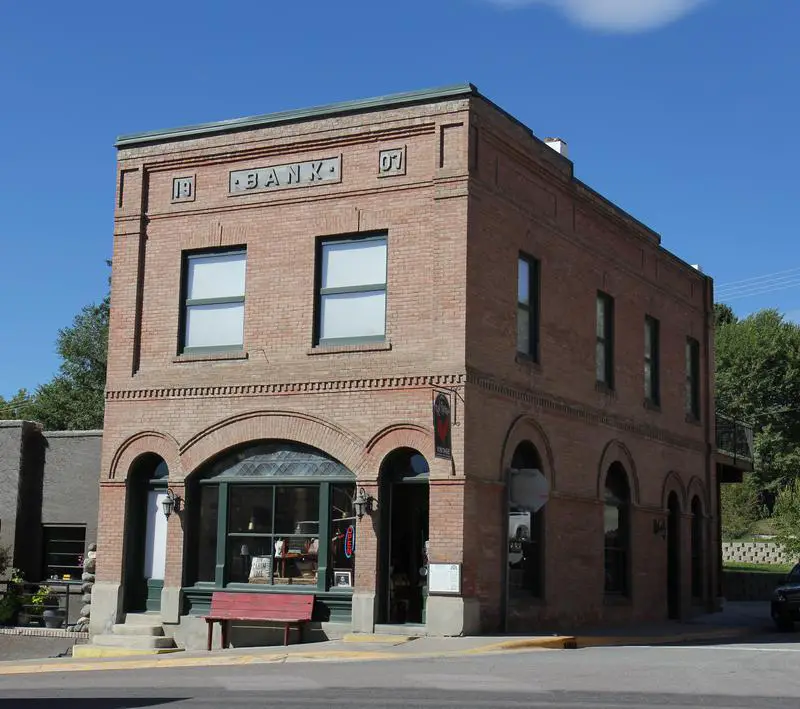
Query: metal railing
[
  {"x": 23, "y": 604},
  {"x": 734, "y": 438}
]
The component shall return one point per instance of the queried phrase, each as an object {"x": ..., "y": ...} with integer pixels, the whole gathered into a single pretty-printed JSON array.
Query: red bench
[{"x": 291, "y": 609}]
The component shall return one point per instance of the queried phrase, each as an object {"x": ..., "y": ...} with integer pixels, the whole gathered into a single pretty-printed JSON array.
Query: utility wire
[
  {"x": 784, "y": 281},
  {"x": 759, "y": 278}
]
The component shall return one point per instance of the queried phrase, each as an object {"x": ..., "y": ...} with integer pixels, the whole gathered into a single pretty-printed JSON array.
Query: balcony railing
[{"x": 734, "y": 438}]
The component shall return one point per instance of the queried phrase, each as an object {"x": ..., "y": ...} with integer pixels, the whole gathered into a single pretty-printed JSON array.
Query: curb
[
  {"x": 588, "y": 641},
  {"x": 178, "y": 660}
]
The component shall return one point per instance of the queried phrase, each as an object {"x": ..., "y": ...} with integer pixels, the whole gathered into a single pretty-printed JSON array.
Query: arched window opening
[
  {"x": 616, "y": 523},
  {"x": 525, "y": 530}
]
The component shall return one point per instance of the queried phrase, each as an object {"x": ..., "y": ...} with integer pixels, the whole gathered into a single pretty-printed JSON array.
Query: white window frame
[
  {"x": 188, "y": 303},
  {"x": 379, "y": 287}
]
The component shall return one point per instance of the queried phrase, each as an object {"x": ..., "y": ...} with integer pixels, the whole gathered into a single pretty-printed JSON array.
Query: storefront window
[
  {"x": 207, "y": 534},
  {"x": 270, "y": 527},
  {"x": 342, "y": 550}
]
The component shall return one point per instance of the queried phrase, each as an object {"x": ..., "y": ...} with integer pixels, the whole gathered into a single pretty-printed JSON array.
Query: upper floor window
[
  {"x": 528, "y": 307},
  {"x": 351, "y": 300},
  {"x": 692, "y": 377},
  {"x": 651, "y": 355},
  {"x": 213, "y": 317},
  {"x": 604, "y": 348}
]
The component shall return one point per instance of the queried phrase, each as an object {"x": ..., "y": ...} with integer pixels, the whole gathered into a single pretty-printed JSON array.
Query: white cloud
[{"x": 615, "y": 15}]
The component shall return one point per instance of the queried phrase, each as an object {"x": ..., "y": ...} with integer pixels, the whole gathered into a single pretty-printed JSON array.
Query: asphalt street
[{"x": 749, "y": 675}]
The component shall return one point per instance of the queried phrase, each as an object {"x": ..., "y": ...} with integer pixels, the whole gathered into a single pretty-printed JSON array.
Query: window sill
[
  {"x": 651, "y": 405},
  {"x": 616, "y": 599},
  {"x": 210, "y": 356},
  {"x": 603, "y": 388},
  {"x": 344, "y": 349},
  {"x": 692, "y": 419},
  {"x": 527, "y": 360}
]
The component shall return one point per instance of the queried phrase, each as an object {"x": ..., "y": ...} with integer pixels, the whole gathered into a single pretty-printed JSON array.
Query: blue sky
[{"x": 684, "y": 112}]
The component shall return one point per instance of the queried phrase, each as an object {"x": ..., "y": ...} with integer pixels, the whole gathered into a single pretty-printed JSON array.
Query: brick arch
[
  {"x": 673, "y": 483},
  {"x": 526, "y": 428},
  {"x": 615, "y": 451},
  {"x": 340, "y": 444},
  {"x": 696, "y": 489},
  {"x": 139, "y": 444},
  {"x": 400, "y": 435}
]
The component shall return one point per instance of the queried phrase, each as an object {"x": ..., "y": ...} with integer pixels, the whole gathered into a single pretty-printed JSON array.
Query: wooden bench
[{"x": 290, "y": 609}]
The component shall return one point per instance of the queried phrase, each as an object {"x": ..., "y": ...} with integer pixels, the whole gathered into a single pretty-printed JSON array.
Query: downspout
[{"x": 708, "y": 306}]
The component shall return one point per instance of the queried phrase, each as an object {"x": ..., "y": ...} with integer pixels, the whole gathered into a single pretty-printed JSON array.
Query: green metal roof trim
[
  {"x": 277, "y": 460},
  {"x": 409, "y": 98}
]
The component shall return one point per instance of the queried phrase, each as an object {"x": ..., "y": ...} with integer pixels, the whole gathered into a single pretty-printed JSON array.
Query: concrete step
[
  {"x": 137, "y": 629},
  {"x": 135, "y": 642},
  {"x": 143, "y": 619}
]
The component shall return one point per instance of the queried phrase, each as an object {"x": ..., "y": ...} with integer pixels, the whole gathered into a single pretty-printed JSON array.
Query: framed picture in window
[{"x": 343, "y": 578}]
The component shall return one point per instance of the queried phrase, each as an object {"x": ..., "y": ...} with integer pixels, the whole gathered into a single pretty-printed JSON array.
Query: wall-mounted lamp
[
  {"x": 363, "y": 503},
  {"x": 660, "y": 528},
  {"x": 170, "y": 502}
]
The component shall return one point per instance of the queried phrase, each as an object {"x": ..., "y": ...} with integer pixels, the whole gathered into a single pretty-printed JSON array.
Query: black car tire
[{"x": 784, "y": 625}]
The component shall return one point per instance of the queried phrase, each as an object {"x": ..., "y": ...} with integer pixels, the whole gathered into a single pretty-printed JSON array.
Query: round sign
[
  {"x": 529, "y": 489},
  {"x": 350, "y": 541}
]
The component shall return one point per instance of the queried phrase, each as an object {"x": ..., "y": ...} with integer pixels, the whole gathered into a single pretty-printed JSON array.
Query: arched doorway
[
  {"x": 525, "y": 529},
  {"x": 145, "y": 534},
  {"x": 617, "y": 531},
  {"x": 673, "y": 557},
  {"x": 404, "y": 512},
  {"x": 697, "y": 549}
]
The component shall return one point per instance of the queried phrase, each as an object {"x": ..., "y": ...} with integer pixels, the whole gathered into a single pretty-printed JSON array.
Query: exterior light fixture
[
  {"x": 660, "y": 528},
  {"x": 363, "y": 503},
  {"x": 170, "y": 502}
]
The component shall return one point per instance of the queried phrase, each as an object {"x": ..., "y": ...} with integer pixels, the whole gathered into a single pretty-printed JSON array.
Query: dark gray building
[{"x": 48, "y": 497}]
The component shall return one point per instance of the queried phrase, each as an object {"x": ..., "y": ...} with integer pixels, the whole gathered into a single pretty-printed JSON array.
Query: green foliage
[
  {"x": 786, "y": 516},
  {"x": 74, "y": 399},
  {"x": 723, "y": 314},
  {"x": 758, "y": 379},
  {"x": 16, "y": 408},
  {"x": 766, "y": 568},
  {"x": 43, "y": 597},
  {"x": 739, "y": 508},
  {"x": 13, "y": 599}
]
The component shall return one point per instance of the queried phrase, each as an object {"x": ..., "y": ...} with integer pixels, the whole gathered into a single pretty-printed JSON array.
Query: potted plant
[
  {"x": 11, "y": 602},
  {"x": 45, "y": 605}
]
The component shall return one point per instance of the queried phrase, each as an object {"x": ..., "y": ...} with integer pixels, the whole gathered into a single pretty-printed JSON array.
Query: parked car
[{"x": 785, "y": 606}]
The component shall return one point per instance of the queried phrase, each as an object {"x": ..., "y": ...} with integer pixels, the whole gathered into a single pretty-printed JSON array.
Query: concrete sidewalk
[{"x": 735, "y": 622}]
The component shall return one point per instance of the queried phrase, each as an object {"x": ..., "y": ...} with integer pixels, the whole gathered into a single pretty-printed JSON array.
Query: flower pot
[{"x": 52, "y": 618}]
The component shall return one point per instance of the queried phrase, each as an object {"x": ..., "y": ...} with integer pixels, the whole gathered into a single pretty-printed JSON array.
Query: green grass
[{"x": 744, "y": 566}]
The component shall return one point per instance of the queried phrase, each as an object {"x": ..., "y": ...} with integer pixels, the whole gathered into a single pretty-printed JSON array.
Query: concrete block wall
[{"x": 756, "y": 553}]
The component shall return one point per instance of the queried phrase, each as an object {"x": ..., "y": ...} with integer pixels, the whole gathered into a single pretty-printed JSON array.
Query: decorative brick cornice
[
  {"x": 575, "y": 410},
  {"x": 288, "y": 388}
]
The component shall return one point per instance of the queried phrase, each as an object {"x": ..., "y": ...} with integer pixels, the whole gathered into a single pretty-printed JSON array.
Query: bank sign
[{"x": 278, "y": 177}]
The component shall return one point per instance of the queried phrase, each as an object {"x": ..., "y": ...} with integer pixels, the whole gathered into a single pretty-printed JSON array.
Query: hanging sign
[{"x": 442, "y": 427}]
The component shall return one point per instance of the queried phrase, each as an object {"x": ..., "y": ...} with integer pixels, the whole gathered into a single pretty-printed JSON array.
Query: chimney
[{"x": 558, "y": 145}]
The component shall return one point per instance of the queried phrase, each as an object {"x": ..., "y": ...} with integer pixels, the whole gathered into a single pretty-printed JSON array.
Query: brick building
[{"x": 292, "y": 292}]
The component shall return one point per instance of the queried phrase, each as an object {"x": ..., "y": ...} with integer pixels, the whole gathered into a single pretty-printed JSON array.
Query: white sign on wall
[{"x": 444, "y": 579}]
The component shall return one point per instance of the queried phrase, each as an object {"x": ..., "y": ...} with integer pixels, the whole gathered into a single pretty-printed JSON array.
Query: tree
[
  {"x": 16, "y": 407},
  {"x": 786, "y": 518},
  {"x": 739, "y": 508},
  {"x": 75, "y": 398},
  {"x": 758, "y": 380},
  {"x": 723, "y": 314}
]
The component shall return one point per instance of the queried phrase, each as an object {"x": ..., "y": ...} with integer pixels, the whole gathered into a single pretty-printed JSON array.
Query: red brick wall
[{"x": 456, "y": 223}]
